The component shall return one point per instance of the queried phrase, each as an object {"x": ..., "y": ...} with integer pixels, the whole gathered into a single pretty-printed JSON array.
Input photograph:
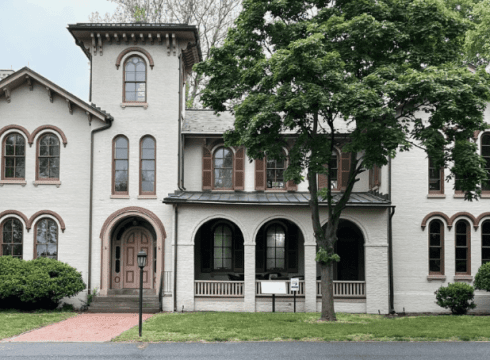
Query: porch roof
[{"x": 297, "y": 198}]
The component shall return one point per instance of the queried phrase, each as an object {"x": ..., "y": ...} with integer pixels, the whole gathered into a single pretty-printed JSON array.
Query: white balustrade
[
  {"x": 345, "y": 289},
  {"x": 219, "y": 288}
]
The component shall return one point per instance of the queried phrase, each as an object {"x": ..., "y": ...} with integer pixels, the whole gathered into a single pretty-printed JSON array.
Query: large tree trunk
[{"x": 328, "y": 311}]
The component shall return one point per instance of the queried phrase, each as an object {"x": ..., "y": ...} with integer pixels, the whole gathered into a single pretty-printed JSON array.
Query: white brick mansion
[{"x": 92, "y": 184}]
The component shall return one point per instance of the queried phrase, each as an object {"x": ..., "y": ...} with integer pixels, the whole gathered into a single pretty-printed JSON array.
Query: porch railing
[
  {"x": 341, "y": 289},
  {"x": 167, "y": 282},
  {"x": 301, "y": 292},
  {"x": 345, "y": 289},
  {"x": 218, "y": 288}
]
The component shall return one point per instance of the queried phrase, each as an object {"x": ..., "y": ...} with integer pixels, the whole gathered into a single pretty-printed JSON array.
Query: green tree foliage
[
  {"x": 482, "y": 277},
  {"x": 390, "y": 74},
  {"x": 457, "y": 297},
  {"x": 37, "y": 284}
]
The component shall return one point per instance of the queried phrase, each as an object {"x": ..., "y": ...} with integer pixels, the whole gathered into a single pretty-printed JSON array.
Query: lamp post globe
[
  {"x": 141, "y": 263},
  {"x": 142, "y": 259}
]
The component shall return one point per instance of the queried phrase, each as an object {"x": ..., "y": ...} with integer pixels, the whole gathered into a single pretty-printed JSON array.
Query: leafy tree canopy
[{"x": 391, "y": 74}]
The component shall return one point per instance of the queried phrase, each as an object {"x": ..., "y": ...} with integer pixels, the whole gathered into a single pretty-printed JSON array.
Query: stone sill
[
  {"x": 147, "y": 197},
  {"x": 436, "y": 196},
  {"x": 458, "y": 196},
  {"x": 485, "y": 195},
  {"x": 57, "y": 183},
  {"x": 143, "y": 105},
  {"x": 13, "y": 182},
  {"x": 436, "y": 277},
  {"x": 119, "y": 196},
  {"x": 463, "y": 278}
]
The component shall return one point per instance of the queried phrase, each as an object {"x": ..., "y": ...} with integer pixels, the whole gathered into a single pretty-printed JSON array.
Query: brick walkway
[{"x": 83, "y": 328}]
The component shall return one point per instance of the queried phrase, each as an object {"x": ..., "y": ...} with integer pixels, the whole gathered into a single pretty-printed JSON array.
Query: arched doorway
[
  {"x": 130, "y": 236},
  {"x": 350, "y": 248}
]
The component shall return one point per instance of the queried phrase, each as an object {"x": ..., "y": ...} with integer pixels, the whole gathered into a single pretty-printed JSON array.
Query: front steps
[{"x": 125, "y": 301}]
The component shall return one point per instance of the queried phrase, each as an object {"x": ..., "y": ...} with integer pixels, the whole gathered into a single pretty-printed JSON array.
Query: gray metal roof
[
  {"x": 358, "y": 199},
  {"x": 206, "y": 122}
]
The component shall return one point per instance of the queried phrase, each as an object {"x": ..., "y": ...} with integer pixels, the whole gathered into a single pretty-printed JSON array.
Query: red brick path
[{"x": 84, "y": 327}]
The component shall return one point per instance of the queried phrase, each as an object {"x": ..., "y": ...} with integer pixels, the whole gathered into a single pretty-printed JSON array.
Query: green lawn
[
  {"x": 306, "y": 327},
  {"x": 15, "y": 323}
]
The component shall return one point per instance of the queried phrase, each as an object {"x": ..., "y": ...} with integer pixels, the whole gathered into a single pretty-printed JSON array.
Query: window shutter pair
[
  {"x": 322, "y": 180},
  {"x": 238, "y": 169},
  {"x": 261, "y": 177},
  {"x": 345, "y": 159}
]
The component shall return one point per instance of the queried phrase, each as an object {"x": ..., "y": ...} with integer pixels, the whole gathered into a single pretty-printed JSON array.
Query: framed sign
[
  {"x": 274, "y": 287},
  {"x": 295, "y": 284}
]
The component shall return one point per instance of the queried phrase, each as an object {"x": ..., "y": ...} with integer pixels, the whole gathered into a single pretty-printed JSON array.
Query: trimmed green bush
[
  {"x": 37, "y": 284},
  {"x": 482, "y": 277},
  {"x": 457, "y": 297}
]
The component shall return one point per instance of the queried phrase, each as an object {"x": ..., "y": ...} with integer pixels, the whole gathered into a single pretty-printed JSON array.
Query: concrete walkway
[{"x": 82, "y": 328}]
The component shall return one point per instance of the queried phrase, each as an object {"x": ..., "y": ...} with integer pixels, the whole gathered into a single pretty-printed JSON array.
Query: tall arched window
[
  {"x": 485, "y": 242},
  {"x": 135, "y": 80},
  {"x": 13, "y": 157},
  {"x": 120, "y": 165},
  {"x": 275, "y": 173},
  {"x": 463, "y": 247},
  {"x": 147, "y": 166},
  {"x": 223, "y": 246},
  {"x": 46, "y": 236},
  {"x": 436, "y": 248},
  {"x": 276, "y": 248},
  {"x": 223, "y": 169},
  {"x": 48, "y": 157},
  {"x": 11, "y": 236},
  {"x": 485, "y": 153}
]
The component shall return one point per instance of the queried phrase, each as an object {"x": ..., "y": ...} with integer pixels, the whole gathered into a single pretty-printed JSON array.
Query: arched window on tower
[
  {"x": 13, "y": 157},
  {"x": 46, "y": 236},
  {"x": 48, "y": 157},
  {"x": 120, "y": 166},
  {"x": 135, "y": 80},
  {"x": 147, "y": 166},
  {"x": 11, "y": 238}
]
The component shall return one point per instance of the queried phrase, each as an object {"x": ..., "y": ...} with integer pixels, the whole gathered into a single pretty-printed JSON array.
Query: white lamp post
[{"x": 141, "y": 263}]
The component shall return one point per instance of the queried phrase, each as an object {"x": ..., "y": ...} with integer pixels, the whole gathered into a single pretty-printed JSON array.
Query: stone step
[
  {"x": 120, "y": 298},
  {"x": 112, "y": 292},
  {"x": 125, "y": 303},
  {"x": 123, "y": 310}
]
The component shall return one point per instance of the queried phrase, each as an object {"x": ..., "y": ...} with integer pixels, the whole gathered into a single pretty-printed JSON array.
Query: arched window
[
  {"x": 276, "y": 248},
  {"x": 485, "y": 153},
  {"x": 11, "y": 236},
  {"x": 48, "y": 157},
  {"x": 120, "y": 165},
  {"x": 135, "y": 80},
  {"x": 436, "y": 248},
  {"x": 485, "y": 242},
  {"x": 147, "y": 167},
  {"x": 275, "y": 173},
  {"x": 223, "y": 246},
  {"x": 46, "y": 236},
  {"x": 13, "y": 157},
  {"x": 463, "y": 247},
  {"x": 223, "y": 168}
]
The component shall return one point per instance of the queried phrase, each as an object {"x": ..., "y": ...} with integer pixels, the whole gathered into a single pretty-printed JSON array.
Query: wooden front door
[{"x": 135, "y": 240}]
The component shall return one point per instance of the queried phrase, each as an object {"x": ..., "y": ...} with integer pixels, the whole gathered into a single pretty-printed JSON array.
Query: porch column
[
  {"x": 249, "y": 286},
  {"x": 377, "y": 282},
  {"x": 185, "y": 277},
  {"x": 310, "y": 278}
]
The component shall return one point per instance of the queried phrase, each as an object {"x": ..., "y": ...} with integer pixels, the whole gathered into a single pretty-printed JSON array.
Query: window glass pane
[
  {"x": 130, "y": 66},
  {"x": 271, "y": 264},
  {"x": 17, "y": 231},
  {"x": 121, "y": 153},
  {"x": 486, "y": 227},
  {"x": 148, "y": 165},
  {"x": 20, "y": 149},
  {"x": 54, "y": 150},
  {"x": 280, "y": 253},
  {"x": 147, "y": 186},
  {"x": 218, "y": 252},
  {"x": 130, "y": 87},
  {"x": 130, "y": 75},
  {"x": 227, "y": 263},
  {"x": 435, "y": 265},
  {"x": 461, "y": 253},
  {"x": 148, "y": 154},
  {"x": 6, "y": 249},
  {"x": 435, "y": 227},
  {"x": 54, "y": 172},
  {"x": 486, "y": 253},
  {"x": 44, "y": 150},
  {"x": 485, "y": 150},
  {"x": 130, "y": 96},
  {"x": 460, "y": 240},
  {"x": 485, "y": 239},
  {"x": 461, "y": 266},
  {"x": 485, "y": 140},
  {"x": 53, "y": 140},
  {"x": 148, "y": 143},
  {"x": 118, "y": 266},
  {"x": 140, "y": 66},
  {"x": 121, "y": 164},
  {"x": 140, "y": 87},
  {"x": 17, "y": 250},
  {"x": 140, "y": 76},
  {"x": 280, "y": 263},
  {"x": 435, "y": 253},
  {"x": 461, "y": 227},
  {"x": 271, "y": 253}
]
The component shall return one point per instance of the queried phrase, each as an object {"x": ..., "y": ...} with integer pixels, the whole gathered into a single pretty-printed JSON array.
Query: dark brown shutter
[
  {"x": 291, "y": 186},
  {"x": 377, "y": 176},
  {"x": 344, "y": 169},
  {"x": 260, "y": 174},
  {"x": 238, "y": 253},
  {"x": 207, "y": 169},
  {"x": 322, "y": 180},
  {"x": 239, "y": 169}
]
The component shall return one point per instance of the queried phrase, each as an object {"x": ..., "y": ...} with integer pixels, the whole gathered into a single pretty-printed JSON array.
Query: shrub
[
  {"x": 37, "y": 284},
  {"x": 482, "y": 277},
  {"x": 457, "y": 297}
]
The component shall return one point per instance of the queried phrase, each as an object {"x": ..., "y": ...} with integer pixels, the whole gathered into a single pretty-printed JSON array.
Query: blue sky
[{"x": 33, "y": 32}]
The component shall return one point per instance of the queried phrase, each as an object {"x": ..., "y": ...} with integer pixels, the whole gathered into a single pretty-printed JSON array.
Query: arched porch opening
[
  {"x": 350, "y": 248},
  {"x": 219, "y": 251}
]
